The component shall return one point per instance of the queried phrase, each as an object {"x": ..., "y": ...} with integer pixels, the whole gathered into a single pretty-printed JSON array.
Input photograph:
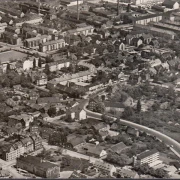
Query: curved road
[{"x": 168, "y": 140}]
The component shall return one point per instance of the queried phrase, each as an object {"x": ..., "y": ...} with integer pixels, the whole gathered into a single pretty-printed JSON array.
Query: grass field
[{"x": 11, "y": 55}]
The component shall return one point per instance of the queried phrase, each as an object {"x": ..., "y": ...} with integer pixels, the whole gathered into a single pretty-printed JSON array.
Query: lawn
[{"x": 11, "y": 55}]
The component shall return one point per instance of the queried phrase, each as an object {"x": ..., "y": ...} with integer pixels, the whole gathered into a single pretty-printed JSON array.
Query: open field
[{"x": 11, "y": 55}]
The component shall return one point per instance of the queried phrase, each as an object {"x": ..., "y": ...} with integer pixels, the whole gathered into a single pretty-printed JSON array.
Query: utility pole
[{"x": 78, "y": 10}]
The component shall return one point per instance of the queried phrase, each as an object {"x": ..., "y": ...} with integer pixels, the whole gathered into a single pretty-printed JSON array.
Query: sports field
[{"x": 11, "y": 55}]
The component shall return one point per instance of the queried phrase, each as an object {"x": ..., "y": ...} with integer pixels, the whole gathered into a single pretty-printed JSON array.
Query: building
[
  {"x": 156, "y": 31},
  {"x": 77, "y": 113},
  {"x": 52, "y": 45},
  {"x": 57, "y": 65},
  {"x": 82, "y": 29},
  {"x": 128, "y": 173},
  {"x": 2, "y": 28},
  {"x": 68, "y": 3},
  {"x": 11, "y": 38},
  {"x": 77, "y": 142},
  {"x": 28, "y": 144},
  {"x": 105, "y": 167},
  {"x": 23, "y": 119},
  {"x": 78, "y": 77},
  {"x": 118, "y": 148},
  {"x": 37, "y": 141},
  {"x": 95, "y": 150},
  {"x": 12, "y": 151},
  {"x": 38, "y": 167},
  {"x": 146, "y": 157},
  {"x": 171, "y": 4},
  {"x": 34, "y": 42},
  {"x": 142, "y": 2},
  {"x": 144, "y": 20}
]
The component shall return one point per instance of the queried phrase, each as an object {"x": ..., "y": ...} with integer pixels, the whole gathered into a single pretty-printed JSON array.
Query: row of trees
[{"x": 145, "y": 169}]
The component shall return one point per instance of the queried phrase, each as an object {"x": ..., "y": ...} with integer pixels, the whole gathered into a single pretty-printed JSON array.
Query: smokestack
[
  {"x": 77, "y": 9},
  {"x": 39, "y": 6},
  {"x": 118, "y": 7}
]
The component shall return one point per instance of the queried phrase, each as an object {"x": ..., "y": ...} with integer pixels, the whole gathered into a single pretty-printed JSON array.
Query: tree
[
  {"x": 39, "y": 62},
  {"x": 52, "y": 111},
  {"x": 128, "y": 111},
  {"x": 128, "y": 8},
  {"x": 47, "y": 70},
  {"x": 139, "y": 106},
  {"x": 65, "y": 96},
  {"x": 34, "y": 63}
]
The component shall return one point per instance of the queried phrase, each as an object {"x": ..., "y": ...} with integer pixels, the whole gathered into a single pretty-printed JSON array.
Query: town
[{"x": 89, "y": 89}]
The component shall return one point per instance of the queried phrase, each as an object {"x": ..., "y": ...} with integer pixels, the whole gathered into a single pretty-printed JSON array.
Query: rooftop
[
  {"x": 146, "y": 154},
  {"x": 35, "y": 161}
]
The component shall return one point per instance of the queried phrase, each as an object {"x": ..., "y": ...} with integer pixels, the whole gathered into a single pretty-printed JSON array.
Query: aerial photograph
[{"x": 90, "y": 89}]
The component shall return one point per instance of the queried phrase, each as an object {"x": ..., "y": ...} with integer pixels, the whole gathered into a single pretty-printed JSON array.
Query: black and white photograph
[{"x": 90, "y": 89}]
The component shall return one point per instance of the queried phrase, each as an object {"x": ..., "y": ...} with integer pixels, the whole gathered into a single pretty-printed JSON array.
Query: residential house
[
  {"x": 171, "y": 4},
  {"x": 101, "y": 127},
  {"x": 37, "y": 141},
  {"x": 28, "y": 144},
  {"x": 133, "y": 132},
  {"x": 34, "y": 129},
  {"x": 137, "y": 42},
  {"x": 23, "y": 120},
  {"x": 77, "y": 142},
  {"x": 146, "y": 38},
  {"x": 41, "y": 79},
  {"x": 105, "y": 167},
  {"x": 77, "y": 113},
  {"x": 36, "y": 166},
  {"x": 12, "y": 151},
  {"x": 118, "y": 148},
  {"x": 33, "y": 95},
  {"x": 95, "y": 150}
]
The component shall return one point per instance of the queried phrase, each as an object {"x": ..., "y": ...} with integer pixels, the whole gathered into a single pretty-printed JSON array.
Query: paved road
[{"x": 168, "y": 140}]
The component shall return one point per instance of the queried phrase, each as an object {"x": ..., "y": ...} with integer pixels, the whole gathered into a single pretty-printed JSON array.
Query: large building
[
  {"x": 38, "y": 167},
  {"x": 147, "y": 157},
  {"x": 156, "y": 31},
  {"x": 52, "y": 45},
  {"x": 143, "y": 2}
]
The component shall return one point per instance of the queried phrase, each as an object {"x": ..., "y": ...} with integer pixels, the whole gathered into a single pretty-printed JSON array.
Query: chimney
[
  {"x": 39, "y": 6},
  {"x": 118, "y": 7},
  {"x": 78, "y": 10}
]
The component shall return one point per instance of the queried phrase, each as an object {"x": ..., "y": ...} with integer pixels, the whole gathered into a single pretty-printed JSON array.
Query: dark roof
[
  {"x": 36, "y": 162},
  {"x": 169, "y": 3},
  {"x": 146, "y": 16},
  {"x": 118, "y": 147},
  {"x": 176, "y": 164},
  {"x": 146, "y": 154},
  {"x": 76, "y": 141}
]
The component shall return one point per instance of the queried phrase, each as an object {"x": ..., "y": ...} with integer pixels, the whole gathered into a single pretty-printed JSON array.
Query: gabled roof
[
  {"x": 118, "y": 147},
  {"x": 76, "y": 141},
  {"x": 99, "y": 126},
  {"x": 103, "y": 165}
]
